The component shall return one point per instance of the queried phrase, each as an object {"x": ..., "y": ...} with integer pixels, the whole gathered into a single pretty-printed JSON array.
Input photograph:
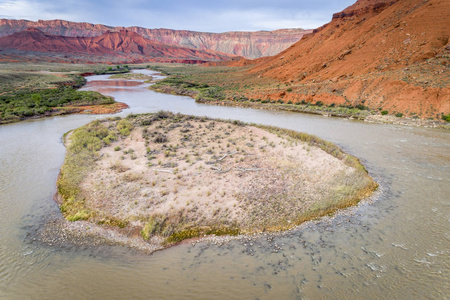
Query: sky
[{"x": 197, "y": 15}]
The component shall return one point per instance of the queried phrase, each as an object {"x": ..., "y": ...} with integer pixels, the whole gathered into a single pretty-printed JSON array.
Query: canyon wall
[{"x": 246, "y": 44}]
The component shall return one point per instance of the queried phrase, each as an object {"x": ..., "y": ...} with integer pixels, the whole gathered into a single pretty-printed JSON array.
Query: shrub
[
  {"x": 214, "y": 93},
  {"x": 111, "y": 137},
  {"x": 161, "y": 139},
  {"x": 162, "y": 114},
  {"x": 238, "y": 123},
  {"x": 446, "y": 118},
  {"x": 384, "y": 112},
  {"x": 124, "y": 126},
  {"x": 88, "y": 137},
  {"x": 289, "y": 90},
  {"x": 80, "y": 215},
  {"x": 154, "y": 225},
  {"x": 399, "y": 115}
]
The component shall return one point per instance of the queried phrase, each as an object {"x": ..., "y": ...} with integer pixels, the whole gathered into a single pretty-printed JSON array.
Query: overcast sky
[{"x": 198, "y": 15}]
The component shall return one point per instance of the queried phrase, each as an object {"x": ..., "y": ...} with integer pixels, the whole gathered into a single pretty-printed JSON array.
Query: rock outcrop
[{"x": 246, "y": 44}]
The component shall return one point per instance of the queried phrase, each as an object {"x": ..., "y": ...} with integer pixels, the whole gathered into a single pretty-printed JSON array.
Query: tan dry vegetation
[{"x": 176, "y": 177}]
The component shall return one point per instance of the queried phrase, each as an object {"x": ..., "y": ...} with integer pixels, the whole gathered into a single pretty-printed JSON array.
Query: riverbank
[
  {"x": 341, "y": 112},
  {"x": 164, "y": 178},
  {"x": 231, "y": 86}
]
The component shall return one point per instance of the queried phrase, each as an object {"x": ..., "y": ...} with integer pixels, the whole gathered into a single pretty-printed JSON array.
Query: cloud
[
  {"x": 199, "y": 15},
  {"x": 270, "y": 19},
  {"x": 31, "y": 10}
]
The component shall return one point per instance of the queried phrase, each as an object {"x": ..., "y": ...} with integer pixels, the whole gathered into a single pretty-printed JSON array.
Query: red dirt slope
[{"x": 387, "y": 54}]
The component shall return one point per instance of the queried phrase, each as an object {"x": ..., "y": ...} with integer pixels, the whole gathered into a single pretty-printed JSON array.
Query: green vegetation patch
[
  {"x": 25, "y": 95},
  {"x": 179, "y": 86}
]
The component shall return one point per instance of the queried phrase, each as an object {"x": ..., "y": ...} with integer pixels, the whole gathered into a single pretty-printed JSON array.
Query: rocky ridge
[
  {"x": 246, "y": 44},
  {"x": 121, "y": 46}
]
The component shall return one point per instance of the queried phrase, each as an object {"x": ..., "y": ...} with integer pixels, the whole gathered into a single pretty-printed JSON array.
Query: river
[{"x": 394, "y": 245}]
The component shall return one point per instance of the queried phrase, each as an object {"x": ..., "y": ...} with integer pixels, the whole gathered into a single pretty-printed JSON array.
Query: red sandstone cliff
[
  {"x": 122, "y": 46},
  {"x": 246, "y": 44},
  {"x": 387, "y": 54}
]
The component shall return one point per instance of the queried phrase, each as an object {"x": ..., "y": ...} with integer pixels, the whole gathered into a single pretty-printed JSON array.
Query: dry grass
[{"x": 179, "y": 176}]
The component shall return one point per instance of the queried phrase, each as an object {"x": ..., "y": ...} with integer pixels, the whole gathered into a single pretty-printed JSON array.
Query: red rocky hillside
[{"x": 387, "y": 54}]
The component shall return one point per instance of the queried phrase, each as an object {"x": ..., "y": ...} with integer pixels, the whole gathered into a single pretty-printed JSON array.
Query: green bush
[
  {"x": 124, "y": 126},
  {"x": 399, "y": 115},
  {"x": 446, "y": 118},
  {"x": 384, "y": 112},
  {"x": 154, "y": 225}
]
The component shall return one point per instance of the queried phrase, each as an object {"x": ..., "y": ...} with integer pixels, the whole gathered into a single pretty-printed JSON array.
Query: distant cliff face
[
  {"x": 53, "y": 27},
  {"x": 246, "y": 44},
  {"x": 117, "y": 46}
]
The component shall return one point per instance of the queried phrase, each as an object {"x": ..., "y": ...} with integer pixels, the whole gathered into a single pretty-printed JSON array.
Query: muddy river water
[{"x": 395, "y": 245}]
